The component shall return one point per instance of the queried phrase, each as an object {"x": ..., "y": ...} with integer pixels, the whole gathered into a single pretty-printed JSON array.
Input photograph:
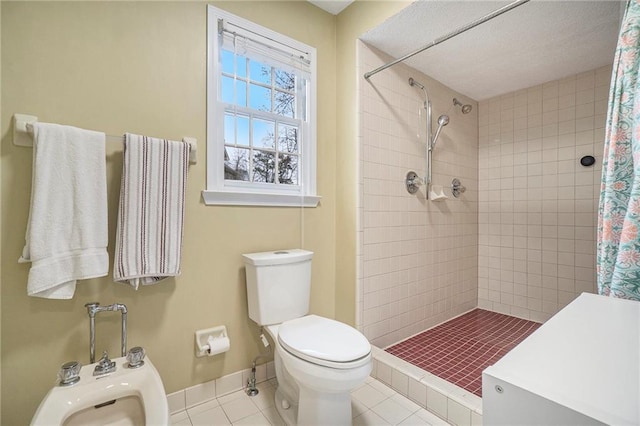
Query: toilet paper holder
[{"x": 212, "y": 341}]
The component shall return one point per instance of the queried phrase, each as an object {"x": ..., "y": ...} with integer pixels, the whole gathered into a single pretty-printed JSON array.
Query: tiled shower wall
[
  {"x": 417, "y": 259},
  {"x": 537, "y": 204}
]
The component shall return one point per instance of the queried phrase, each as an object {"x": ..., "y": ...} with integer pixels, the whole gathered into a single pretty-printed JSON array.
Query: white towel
[
  {"x": 150, "y": 219},
  {"x": 66, "y": 238}
]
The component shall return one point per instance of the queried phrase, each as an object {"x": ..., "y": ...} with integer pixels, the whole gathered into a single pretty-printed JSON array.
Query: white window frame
[{"x": 220, "y": 191}]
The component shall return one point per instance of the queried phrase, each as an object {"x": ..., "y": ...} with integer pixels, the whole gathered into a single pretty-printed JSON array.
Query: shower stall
[
  {"x": 417, "y": 257},
  {"x": 520, "y": 241}
]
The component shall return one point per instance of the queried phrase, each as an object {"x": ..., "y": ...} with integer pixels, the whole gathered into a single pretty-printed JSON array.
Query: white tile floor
[{"x": 373, "y": 403}]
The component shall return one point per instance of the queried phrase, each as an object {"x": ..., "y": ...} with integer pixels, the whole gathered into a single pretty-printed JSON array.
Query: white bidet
[{"x": 126, "y": 396}]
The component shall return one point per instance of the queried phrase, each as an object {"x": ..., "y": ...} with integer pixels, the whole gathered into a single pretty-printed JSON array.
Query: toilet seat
[{"x": 324, "y": 342}]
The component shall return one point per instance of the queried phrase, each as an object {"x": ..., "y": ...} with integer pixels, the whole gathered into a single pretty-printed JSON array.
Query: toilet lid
[{"x": 323, "y": 339}]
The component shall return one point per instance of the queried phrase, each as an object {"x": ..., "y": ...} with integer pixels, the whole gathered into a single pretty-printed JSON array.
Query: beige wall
[
  {"x": 538, "y": 205},
  {"x": 418, "y": 258},
  {"x": 140, "y": 67},
  {"x": 358, "y": 18}
]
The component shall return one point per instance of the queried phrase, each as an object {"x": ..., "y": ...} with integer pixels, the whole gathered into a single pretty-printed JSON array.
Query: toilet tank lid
[{"x": 277, "y": 257}]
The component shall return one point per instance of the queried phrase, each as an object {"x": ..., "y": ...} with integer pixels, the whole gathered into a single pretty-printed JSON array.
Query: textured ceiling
[
  {"x": 534, "y": 43},
  {"x": 332, "y": 6}
]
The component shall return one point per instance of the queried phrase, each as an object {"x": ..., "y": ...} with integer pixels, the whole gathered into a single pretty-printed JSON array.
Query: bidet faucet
[
  {"x": 104, "y": 366},
  {"x": 93, "y": 309}
]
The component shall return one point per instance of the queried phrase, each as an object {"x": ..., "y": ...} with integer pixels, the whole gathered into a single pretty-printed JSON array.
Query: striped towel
[{"x": 151, "y": 214}]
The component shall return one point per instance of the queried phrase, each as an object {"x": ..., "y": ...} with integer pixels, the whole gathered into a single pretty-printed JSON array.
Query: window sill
[{"x": 228, "y": 198}]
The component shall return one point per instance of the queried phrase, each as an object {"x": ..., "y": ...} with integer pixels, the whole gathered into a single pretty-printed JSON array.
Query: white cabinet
[{"x": 582, "y": 367}]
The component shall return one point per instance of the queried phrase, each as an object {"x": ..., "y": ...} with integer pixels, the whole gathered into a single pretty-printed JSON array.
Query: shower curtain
[{"x": 618, "y": 251}]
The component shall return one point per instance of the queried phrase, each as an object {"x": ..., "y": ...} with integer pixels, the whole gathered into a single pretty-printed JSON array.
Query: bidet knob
[
  {"x": 69, "y": 373},
  {"x": 135, "y": 357}
]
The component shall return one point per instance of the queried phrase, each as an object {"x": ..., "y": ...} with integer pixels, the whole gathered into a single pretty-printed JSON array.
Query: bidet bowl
[{"x": 127, "y": 396}]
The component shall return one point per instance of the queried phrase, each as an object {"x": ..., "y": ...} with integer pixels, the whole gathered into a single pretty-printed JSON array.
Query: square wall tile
[
  {"x": 458, "y": 414},
  {"x": 198, "y": 394},
  {"x": 550, "y": 190},
  {"x": 437, "y": 402},
  {"x": 176, "y": 401},
  {"x": 417, "y": 392},
  {"x": 229, "y": 383}
]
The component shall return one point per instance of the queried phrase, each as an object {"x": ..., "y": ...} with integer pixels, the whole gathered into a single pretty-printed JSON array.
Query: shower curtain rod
[{"x": 452, "y": 34}]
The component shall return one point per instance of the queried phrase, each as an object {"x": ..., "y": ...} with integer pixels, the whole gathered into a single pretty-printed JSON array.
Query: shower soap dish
[{"x": 436, "y": 193}]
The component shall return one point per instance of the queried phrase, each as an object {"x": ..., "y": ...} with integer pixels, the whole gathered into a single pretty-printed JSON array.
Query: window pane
[
  {"x": 241, "y": 93},
  {"x": 264, "y": 166},
  {"x": 228, "y": 95},
  {"x": 236, "y": 163},
  {"x": 260, "y": 72},
  {"x": 243, "y": 130},
  {"x": 284, "y": 104},
  {"x": 264, "y": 134},
  {"x": 241, "y": 66},
  {"x": 260, "y": 98},
  {"x": 288, "y": 169},
  {"x": 287, "y": 138},
  {"x": 227, "y": 90},
  {"x": 285, "y": 80},
  {"x": 226, "y": 59},
  {"x": 229, "y": 129}
]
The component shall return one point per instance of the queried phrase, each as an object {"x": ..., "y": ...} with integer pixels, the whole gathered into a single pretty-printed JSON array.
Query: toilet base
[
  {"x": 315, "y": 408},
  {"x": 288, "y": 414},
  {"x": 324, "y": 408}
]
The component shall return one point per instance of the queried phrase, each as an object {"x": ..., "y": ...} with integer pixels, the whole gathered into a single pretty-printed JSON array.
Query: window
[{"x": 261, "y": 116}]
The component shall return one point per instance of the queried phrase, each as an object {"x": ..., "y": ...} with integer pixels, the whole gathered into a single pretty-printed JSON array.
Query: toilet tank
[{"x": 278, "y": 285}]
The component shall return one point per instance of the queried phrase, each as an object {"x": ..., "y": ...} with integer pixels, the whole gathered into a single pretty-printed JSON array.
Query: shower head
[
  {"x": 466, "y": 108},
  {"x": 443, "y": 120},
  {"x": 412, "y": 82}
]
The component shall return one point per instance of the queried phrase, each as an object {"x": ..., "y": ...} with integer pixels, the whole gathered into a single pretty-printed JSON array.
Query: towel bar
[{"x": 23, "y": 135}]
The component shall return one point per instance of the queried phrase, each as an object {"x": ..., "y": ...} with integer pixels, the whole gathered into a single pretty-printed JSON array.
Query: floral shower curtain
[{"x": 618, "y": 262}]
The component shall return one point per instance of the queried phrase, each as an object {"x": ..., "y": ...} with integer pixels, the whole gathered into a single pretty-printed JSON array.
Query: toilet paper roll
[{"x": 217, "y": 345}]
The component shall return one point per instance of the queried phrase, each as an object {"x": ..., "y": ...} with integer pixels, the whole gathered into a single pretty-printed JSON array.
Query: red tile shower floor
[{"x": 458, "y": 350}]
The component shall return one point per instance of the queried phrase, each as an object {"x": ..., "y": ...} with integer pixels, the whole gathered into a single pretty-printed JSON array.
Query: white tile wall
[
  {"x": 218, "y": 388},
  {"x": 450, "y": 402},
  {"x": 417, "y": 259},
  {"x": 537, "y": 204}
]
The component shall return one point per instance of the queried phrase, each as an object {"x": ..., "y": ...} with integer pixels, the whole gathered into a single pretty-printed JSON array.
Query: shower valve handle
[
  {"x": 457, "y": 188},
  {"x": 413, "y": 182}
]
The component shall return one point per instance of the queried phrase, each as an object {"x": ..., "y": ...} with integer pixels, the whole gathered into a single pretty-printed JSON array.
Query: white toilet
[{"x": 318, "y": 360}]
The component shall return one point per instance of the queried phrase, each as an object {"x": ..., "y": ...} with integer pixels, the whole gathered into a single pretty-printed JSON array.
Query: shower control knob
[
  {"x": 69, "y": 373},
  {"x": 135, "y": 357}
]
